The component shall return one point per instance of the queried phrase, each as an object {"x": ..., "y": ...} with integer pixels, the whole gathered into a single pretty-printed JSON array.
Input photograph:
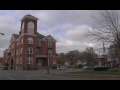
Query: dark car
[{"x": 5, "y": 67}]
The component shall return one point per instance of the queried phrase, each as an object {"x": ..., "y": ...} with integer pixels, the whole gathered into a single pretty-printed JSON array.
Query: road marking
[{"x": 10, "y": 78}]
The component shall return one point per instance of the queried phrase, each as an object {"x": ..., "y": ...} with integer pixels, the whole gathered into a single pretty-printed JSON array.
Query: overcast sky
[{"x": 68, "y": 27}]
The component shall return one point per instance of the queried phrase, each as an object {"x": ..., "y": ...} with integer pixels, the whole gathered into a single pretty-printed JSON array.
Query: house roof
[
  {"x": 5, "y": 50},
  {"x": 16, "y": 36},
  {"x": 50, "y": 37},
  {"x": 40, "y": 36}
]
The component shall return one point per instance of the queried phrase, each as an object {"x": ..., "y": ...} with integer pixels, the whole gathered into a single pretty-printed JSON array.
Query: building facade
[{"x": 30, "y": 48}]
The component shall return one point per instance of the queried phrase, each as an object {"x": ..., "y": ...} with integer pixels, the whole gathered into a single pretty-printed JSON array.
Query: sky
[{"x": 68, "y": 27}]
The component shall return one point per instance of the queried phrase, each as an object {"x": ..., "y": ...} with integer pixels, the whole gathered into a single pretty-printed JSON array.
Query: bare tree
[{"x": 107, "y": 27}]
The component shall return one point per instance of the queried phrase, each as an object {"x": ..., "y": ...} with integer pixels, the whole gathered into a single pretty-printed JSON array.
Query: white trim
[
  {"x": 21, "y": 41},
  {"x": 29, "y": 40},
  {"x": 54, "y": 61},
  {"x": 20, "y": 60},
  {"x": 21, "y": 51},
  {"x": 17, "y": 39},
  {"x": 39, "y": 62},
  {"x": 29, "y": 60},
  {"x": 17, "y": 60},
  {"x": 27, "y": 35},
  {"x": 28, "y": 50},
  {"x": 49, "y": 36}
]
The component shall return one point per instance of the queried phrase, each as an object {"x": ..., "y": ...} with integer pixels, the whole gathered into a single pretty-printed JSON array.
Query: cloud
[{"x": 68, "y": 27}]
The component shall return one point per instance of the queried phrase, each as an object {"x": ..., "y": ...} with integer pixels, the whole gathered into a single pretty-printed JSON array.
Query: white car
[
  {"x": 96, "y": 66},
  {"x": 87, "y": 68},
  {"x": 62, "y": 68}
]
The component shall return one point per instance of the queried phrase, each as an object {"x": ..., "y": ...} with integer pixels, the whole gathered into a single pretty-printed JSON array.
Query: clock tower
[{"x": 29, "y": 37}]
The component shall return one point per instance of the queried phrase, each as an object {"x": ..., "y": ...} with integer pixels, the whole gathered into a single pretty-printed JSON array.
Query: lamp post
[{"x": 48, "y": 56}]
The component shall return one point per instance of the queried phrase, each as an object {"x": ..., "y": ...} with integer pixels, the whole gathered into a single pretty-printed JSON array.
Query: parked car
[
  {"x": 62, "y": 67},
  {"x": 5, "y": 67},
  {"x": 97, "y": 66},
  {"x": 87, "y": 68}
]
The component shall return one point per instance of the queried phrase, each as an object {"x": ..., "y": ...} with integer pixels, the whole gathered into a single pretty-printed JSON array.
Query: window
[
  {"x": 30, "y": 28},
  {"x": 29, "y": 50},
  {"x": 38, "y": 43},
  {"x": 50, "y": 52},
  {"x": 30, "y": 40},
  {"x": 23, "y": 27},
  {"x": 38, "y": 51},
  {"x": 49, "y": 44},
  {"x": 13, "y": 53},
  {"x": 22, "y": 41},
  {"x": 20, "y": 60},
  {"x": 39, "y": 62},
  {"x": 16, "y": 52},
  {"x": 17, "y": 61},
  {"x": 13, "y": 46},
  {"x": 29, "y": 60},
  {"x": 21, "y": 51},
  {"x": 54, "y": 61},
  {"x": 17, "y": 42}
]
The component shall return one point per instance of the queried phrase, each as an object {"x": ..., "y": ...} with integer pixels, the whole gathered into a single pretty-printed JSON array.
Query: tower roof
[{"x": 30, "y": 17}]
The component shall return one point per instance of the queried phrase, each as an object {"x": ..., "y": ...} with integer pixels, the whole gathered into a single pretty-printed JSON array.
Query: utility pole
[{"x": 48, "y": 55}]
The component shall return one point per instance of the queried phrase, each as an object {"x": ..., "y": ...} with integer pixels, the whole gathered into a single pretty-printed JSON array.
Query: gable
[
  {"x": 12, "y": 39},
  {"x": 49, "y": 36}
]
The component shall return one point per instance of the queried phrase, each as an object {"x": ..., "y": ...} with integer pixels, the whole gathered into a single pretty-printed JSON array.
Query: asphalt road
[{"x": 31, "y": 75}]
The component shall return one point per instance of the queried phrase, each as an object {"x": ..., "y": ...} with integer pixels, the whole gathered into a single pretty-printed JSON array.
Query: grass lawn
[{"x": 114, "y": 73}]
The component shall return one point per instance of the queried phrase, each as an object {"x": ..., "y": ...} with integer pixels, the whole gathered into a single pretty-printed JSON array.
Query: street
[{"x": 31, "y": 75}]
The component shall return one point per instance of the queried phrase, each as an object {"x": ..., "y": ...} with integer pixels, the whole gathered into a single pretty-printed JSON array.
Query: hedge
[{"x": 101, "y": 68}]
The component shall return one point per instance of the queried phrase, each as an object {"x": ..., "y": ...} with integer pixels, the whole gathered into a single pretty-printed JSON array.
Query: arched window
[
  {"x": 30, "y": 28},
  {"x": 30, "y": 40}
]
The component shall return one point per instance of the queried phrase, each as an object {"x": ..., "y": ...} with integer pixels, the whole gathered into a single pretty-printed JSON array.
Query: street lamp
[
  {"x": 48, "y": 56},
  {"x": 2, "y": 33}
]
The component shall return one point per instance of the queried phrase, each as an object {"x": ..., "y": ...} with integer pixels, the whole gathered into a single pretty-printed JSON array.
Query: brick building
[{"x": 30, "y": 47}]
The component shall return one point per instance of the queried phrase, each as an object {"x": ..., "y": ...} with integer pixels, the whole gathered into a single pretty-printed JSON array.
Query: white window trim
[
  {"x": 29, "y": 60},
  {"x": 21, "y": 51},
  {"x": 16, "y": 52},
  {"x": 30, "y": 40},
  {"x": 17, "y": 61},
  {"x": 54, "y": 61},
  {"x": 28, "y": 50},
  {"x": 30, "y": 28},
  {"x": 20, "y": 60},
  {"x": 49, "y": 52}
]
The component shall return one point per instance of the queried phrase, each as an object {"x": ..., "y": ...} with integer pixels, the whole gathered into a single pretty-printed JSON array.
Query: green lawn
[{"x": 109, "y": 73}]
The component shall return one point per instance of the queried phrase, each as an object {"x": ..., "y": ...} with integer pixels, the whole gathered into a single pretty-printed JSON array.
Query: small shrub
[
  {"x": 54, "y": 67},
  {"x": 100, "y": 68},
  {"x": 79, "y": 66}
]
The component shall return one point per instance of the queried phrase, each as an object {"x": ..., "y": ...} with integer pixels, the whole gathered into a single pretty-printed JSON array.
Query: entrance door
[
  {"x": 12, "y": 64},
  {"x": 39, "y": 62}
]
